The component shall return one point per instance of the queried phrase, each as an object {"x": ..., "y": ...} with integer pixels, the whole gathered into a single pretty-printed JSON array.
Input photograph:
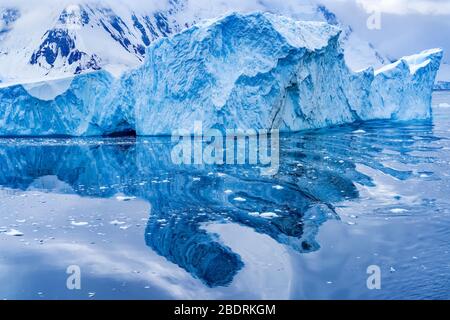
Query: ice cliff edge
[{"x": 258, "y": 71}]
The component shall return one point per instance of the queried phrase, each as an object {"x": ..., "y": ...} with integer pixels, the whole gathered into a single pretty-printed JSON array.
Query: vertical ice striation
[{"x": 257, "y": 70}]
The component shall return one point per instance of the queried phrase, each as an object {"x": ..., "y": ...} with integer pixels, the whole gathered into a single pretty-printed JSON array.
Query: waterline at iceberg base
[{"x": 258, "y": 71}]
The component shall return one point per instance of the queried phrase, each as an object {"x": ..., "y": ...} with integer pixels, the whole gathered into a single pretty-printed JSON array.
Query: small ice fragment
[
  {"x": 253, "y": 214},
  {"x": 123, "y": 198},
  {"x": 444, "y": 105},
  {"x": 91, "y": 294},
  {"x": 393, "y": 270},
  {"x": 269, "y": 215},
  {"x": 228, "y": 191},
  {"x": 21, "y": 221},
  {"x": 117, "y": 223},
  {"x": 239, "y": 199},
  {"x": 399, "y": 211},
  {"x": 125, "y": 227},
  {"x": 14, "y": 233},
  {"x": 278, "y": 187},
  {"x": 351, "y": 223},
  {"x": 359, "y": 132},
  {"x": 196, "y": 179},
  {"x": 79, "y": 224}
]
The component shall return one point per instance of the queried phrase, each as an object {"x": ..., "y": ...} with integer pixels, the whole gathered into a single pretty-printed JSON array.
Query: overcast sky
[{"x": 407, "y": 26}]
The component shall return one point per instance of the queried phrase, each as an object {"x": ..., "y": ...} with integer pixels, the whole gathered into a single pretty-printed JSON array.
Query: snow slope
[{"x": 259, "y": 71}]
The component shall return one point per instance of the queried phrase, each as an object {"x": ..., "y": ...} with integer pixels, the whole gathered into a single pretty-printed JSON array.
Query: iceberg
[{"x": 239, "y": 71}]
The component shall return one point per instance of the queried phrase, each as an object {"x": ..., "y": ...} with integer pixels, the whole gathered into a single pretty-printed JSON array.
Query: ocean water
[{"x": 140, "y": 227}]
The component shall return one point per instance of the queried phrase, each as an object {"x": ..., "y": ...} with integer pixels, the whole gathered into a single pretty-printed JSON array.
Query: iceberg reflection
[{"x": 317, "y": 171}]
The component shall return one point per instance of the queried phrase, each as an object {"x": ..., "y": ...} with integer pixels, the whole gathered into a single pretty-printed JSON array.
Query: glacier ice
[{"x": 257, "y": 70}]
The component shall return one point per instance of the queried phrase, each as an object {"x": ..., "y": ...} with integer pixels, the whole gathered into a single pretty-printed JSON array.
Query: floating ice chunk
[
  {"x": 14, "y": 233},
  {"x": 399, "y": 210},
  {"x": 79, "y": 224},
  {"x": 240, "y": 199},
  {"x": 124, "y": 198},
  {"x": 444, "y": 105},
  {"x": 255, "y": 70},
  {"x": 117, "y": 223},
  {"x": 269, "y": 215}
]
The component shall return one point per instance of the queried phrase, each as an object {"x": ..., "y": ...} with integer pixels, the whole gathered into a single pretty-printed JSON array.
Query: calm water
[{"x": 141, "y": 227}]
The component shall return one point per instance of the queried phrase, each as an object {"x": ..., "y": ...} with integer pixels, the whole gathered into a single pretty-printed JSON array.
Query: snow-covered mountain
[
  {"x": 90, "y": 35},
  {"x": 77, "y": 38}
]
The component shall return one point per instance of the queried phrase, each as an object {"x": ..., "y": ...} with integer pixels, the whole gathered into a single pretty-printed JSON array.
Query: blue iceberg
[{"x": 252, "y": 71}]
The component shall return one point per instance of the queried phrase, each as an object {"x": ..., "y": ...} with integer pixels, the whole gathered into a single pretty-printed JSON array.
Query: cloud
[
  {"x": 403, "y": 7},
  {"x": 201, "y": 7},
  {"x": 50, "y": 4}
]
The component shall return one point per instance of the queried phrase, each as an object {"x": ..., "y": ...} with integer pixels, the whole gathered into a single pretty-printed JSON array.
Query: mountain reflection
[{"x": 317, "y": 170}]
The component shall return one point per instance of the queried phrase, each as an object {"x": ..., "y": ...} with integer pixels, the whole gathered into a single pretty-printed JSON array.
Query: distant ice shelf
[
  {"x": 443, "y": 78},
  {"x": 258, "y": 71}
]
